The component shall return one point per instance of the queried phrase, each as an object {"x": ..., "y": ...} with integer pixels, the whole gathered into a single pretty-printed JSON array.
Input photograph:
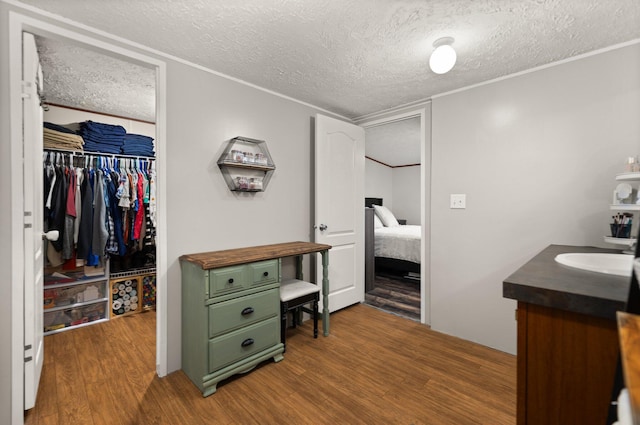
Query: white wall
[
  {"x": 537, "y": 156},
  {"x": 398, "y": 187},
  {"x": 406, "y": 194},
  {"x": 378, "y": 182},
  {"x": 204, "y": 111}
]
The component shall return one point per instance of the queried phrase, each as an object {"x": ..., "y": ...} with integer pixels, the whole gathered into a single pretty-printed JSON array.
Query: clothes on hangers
[{"x": 99, "y": 209}]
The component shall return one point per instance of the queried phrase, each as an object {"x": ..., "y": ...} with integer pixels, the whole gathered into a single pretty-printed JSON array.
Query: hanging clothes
[
  {"x": 100, "y": 233},
  {"x": 137, "y": 227},
  {"x": 59, "y": 205},
  {"x": 85, "y": 233},
  {"x": 152, "y": 194},
  {"x": 70, "y": 217},
  {"x": 99, "y": 210}
]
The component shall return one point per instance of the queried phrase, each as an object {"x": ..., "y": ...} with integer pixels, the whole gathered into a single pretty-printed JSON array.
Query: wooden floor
[
  {"x": 396, "y": 295},
  {"x": 374, "y": 368}
]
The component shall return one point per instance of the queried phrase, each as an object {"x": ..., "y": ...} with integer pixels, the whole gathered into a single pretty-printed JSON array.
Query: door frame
[
  {"x": 19, "y": 23},
  {"x": 425, "y": 204}
]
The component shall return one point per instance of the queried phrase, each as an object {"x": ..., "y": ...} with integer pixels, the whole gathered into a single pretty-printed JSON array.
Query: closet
[{"x": 102, "y": 204}]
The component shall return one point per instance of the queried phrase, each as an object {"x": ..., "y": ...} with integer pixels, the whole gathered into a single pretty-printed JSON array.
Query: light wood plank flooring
[{"x": 374, "y": 368}]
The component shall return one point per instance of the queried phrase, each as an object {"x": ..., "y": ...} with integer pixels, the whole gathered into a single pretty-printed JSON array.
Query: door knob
[
  {"x": 323, "y": 227},
  {"x": 51, "y": 235}
]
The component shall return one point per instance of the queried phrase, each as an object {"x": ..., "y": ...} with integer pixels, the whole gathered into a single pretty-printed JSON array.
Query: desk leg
[{"x": 325, "y": 292}]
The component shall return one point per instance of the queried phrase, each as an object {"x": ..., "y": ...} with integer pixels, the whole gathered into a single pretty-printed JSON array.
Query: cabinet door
[{"x": 566, "y": 365}]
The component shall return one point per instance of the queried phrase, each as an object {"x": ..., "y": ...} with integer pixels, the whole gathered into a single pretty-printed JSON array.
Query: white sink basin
[{"x": 618, "y": 264}]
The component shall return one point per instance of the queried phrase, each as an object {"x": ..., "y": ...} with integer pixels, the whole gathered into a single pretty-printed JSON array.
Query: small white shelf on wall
[
  {"x": 620, "y": 241},
  {"x": 246, "y": 165},
  {"x": 625, "y": 207},
  {"x": 619, "y": 205},
  {"x": 628, "y": 177}
]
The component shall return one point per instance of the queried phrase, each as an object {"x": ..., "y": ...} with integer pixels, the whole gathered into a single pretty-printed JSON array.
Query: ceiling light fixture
[{"x": 443, "y": 57}]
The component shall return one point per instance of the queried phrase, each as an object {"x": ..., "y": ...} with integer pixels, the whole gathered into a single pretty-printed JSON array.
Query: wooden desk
[{"x": 231, "y": 257}]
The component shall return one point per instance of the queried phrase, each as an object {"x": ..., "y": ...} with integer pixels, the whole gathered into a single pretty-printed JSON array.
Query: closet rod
[{"x": 112, "y": 155}]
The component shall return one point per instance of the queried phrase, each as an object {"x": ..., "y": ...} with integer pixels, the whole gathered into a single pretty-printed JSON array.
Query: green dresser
[
  {"x": 230, "y": 319},
  {"x": 231, "y": 308}
]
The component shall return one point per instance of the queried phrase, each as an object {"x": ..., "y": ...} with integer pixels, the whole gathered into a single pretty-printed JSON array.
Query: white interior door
[
  {"x": 33, "y": 220},
  {"x": 339, "y": 207}
]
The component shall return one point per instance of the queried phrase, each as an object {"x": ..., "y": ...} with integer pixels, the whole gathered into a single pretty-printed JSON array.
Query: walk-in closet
[
  {"x": 99, "y": 182},
  {"x": 100, "y": 203}
]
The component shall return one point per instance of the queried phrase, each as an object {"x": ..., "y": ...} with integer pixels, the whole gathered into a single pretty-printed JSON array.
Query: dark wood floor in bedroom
[{"x": 396, "y": 295}]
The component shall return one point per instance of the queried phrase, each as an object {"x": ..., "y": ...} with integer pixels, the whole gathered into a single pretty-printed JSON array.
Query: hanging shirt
[
  {"x": 59, "y": 206},
  {"x": 112, "y": 243},
  {"x": 123, "y": 191},
  {"x": 70, "y": 217},
  {"x": 116, "y": 214},
  {"x": 140, "y": 210},
  {"x": 51, "y": 173},
  {"x": 100, "y": 233},
  {"x": 85, "y": 232},
  {"x": 78, "y": 202},
  {"x": 152, "y": 194}
]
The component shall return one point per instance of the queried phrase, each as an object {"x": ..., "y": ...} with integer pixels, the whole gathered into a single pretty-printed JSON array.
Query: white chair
[{"x": 295, "y": 295}]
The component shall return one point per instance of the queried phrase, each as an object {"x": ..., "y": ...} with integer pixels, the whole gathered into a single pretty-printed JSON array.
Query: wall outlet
[{"x": 458, "y": 201}]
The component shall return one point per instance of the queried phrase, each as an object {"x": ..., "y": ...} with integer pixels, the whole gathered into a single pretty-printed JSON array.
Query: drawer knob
[
  {"x": 247, "y": 342},
  {"x": 265, "y": 274},
  {"x": 230, "y": 281},
  {"x": 247, "y": 310}
]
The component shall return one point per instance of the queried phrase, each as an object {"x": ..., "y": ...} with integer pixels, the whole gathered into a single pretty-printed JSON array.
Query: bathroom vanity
[{"x": 567, "y": 338}]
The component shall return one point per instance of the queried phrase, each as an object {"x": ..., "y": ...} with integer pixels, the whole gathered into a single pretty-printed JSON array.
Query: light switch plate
[{"x": 458, "y": 201}]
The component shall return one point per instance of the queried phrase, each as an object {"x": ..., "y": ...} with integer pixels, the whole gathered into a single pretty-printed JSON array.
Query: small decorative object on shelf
[{"x": 246, "y": 165}]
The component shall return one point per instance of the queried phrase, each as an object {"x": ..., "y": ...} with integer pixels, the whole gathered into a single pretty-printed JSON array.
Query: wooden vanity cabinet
[{"x": 566, "y": 366}]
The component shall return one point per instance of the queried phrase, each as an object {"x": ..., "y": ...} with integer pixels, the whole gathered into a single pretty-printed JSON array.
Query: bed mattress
[{"x": 400, "y": 243}]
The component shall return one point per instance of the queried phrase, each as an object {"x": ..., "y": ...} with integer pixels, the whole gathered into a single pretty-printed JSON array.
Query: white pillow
[
  {"x": 386, "y": 216},
  {"x": 376, "y": 222}
]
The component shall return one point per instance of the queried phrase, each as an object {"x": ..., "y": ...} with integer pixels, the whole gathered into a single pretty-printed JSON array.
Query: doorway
[
  {"x": 404, "y": 180},
  {"x": 19, "y": 24}
]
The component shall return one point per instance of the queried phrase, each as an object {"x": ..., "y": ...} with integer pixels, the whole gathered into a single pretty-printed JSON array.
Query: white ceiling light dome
[{"x": 443, "y": 57}]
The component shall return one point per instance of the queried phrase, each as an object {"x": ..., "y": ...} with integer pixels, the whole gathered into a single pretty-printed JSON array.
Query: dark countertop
[{"x": 545, "y": 282}]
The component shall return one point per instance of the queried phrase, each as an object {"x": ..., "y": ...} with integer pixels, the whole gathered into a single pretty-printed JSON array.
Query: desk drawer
[
  {"x": 263, "y": 272},
  {"x": 243, "y": 311},
  {"x": 237, "y": 345},
  {"x": 227, "y": 279}
]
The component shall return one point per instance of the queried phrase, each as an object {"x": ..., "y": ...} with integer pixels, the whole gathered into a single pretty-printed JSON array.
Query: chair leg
[
  {"x": 315, "y": 318},
  {"x": 294, "y": 317}
]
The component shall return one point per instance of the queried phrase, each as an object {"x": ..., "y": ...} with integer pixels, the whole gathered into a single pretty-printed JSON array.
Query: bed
[{"x": 392, "y": 249}]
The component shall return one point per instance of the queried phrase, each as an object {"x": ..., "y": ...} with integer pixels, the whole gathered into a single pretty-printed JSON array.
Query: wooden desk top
[
  {"x": 629, "y": 332},
  {"x": 232, "y": 257}
]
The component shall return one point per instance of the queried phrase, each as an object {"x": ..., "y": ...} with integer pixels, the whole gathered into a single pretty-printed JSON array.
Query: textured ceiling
[
  {"x": 403, "y": 136},
  {"x": 81, "y": 78},
  {"x": 356, "y": 57}
]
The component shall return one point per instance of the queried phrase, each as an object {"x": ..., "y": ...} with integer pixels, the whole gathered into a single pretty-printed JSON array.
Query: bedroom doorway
[{"x": 397, "y": 162}]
